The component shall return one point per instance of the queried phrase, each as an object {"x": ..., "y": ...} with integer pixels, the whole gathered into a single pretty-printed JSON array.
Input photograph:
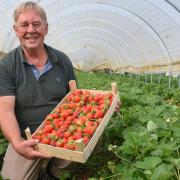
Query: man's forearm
[
  {"x": 8, "y": 122},
  {"x": 10, "y": 128}
]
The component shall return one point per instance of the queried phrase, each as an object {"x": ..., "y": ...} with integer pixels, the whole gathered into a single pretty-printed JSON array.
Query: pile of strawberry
[{"x": 77, "y": 118}]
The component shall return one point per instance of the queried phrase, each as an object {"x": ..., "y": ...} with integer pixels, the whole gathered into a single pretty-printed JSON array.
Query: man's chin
[{"x": 31, "y": 47}]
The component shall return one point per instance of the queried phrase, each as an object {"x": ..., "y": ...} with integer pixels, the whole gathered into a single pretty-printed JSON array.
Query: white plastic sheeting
[{"x": 125, "y": 36}]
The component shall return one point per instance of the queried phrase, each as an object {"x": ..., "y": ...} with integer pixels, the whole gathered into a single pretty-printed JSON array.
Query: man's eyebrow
[{"x": 28, "y": 22}]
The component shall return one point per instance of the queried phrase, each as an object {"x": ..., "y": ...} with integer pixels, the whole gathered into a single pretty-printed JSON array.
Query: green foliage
[
  {"x": 3, "y": 147},
  {"x": 3, "y": 144},
  {"x": 142, "y": 140}
]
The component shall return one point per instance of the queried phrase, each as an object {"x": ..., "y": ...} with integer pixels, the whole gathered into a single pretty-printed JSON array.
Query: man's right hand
[{"x": 26, "y": 149}]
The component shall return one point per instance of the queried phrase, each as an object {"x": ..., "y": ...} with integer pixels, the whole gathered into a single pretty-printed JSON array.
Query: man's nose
[{"x": 30, "y": 28}]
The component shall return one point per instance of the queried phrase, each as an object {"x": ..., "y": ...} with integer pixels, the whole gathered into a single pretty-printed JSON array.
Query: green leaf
[
  {"x": 3, "y": 148},
  {"x": 151, "y": 126},
  {"x": 174, "y": 161},
  {"x": 65, "y": 175},
  {"x": 162, "y": 172},
  {"x": 177, "y": 163},
  {"x": 157, "y": 152},
  {"x": 147, "y": 172},
  {"x": 160, "y": 122},
  {"x": 159, "y": 109},
  {"x": 176, "y": 132},
  {"x": 148, "y": 163}
]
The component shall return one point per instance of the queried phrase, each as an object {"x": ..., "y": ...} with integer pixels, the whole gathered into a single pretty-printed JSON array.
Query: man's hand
[{"x": 26, "y": 149}]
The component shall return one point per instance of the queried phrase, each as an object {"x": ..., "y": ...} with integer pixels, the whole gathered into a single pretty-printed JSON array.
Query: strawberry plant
[{"x": 142, "y": 140}]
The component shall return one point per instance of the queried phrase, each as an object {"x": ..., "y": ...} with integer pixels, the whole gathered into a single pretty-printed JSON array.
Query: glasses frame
[{"x": 25, "y": 25}]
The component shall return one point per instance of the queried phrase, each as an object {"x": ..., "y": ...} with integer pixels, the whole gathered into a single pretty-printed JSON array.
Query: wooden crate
[{"x": 83, "y": 152}]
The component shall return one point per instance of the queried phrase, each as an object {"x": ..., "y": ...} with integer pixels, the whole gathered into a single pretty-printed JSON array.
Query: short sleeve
[
  {"x": 70, "y": 71},
  {"x": 7, "y": 84}
]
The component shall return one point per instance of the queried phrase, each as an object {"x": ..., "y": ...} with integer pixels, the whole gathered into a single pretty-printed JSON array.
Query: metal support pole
[
  {"x": 146, "y": 78},
  {"x": 136, "y": 77},
  {"x": 179, "y": 81},
  {"x": 139, "y": 77},
  {"x": 159, "y": 79},
  {"x": 170, "y": 77},
  {"x": 151, "y": 78}
]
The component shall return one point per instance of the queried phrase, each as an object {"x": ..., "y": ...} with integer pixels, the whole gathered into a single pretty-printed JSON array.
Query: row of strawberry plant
[{"x": 142, "y": 141}]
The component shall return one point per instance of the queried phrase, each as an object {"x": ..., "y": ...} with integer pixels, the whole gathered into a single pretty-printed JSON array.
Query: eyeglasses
[{"x": 25, "y": 26}]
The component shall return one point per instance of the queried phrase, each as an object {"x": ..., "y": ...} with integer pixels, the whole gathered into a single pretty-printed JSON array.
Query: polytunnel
[
  {"x": 139, "y": 36},
  {"x": 111, "y": 114}
]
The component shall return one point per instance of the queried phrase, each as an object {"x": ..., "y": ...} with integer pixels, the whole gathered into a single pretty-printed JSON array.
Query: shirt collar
[{"x": 52, "y": 57}]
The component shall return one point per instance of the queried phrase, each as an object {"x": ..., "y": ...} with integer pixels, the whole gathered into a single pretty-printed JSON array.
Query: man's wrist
[{"x": 15, "y": 142}]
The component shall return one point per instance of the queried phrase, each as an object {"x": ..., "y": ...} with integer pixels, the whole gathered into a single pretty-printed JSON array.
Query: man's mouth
[{"x": 31, "y": 38}]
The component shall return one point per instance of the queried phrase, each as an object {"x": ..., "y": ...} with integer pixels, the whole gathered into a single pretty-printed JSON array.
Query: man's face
[{"x": 30, "y": 29}]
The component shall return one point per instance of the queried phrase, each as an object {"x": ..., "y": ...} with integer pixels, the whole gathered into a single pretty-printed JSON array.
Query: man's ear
[
  {"x": 46, "y": 27},
  {"x": 15, "y": 28}
]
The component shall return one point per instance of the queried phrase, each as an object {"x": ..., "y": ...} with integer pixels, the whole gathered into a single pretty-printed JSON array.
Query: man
[{"x": 33, "y": 79}]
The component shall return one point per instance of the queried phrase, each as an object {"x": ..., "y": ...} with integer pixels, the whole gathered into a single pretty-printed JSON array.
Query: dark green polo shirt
[{"x": 35, "y": 98}]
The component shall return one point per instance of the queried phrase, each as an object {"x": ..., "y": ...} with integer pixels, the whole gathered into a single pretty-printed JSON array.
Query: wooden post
[
  {"x": 114, "y": 88},
  {"x": 80, "y": 144},
  {"x": 29, "y": 136},
  {"x": 72, "y": 85},
  {"x": 28, "y": 133},
  {"x": 115, "y": 92}
]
